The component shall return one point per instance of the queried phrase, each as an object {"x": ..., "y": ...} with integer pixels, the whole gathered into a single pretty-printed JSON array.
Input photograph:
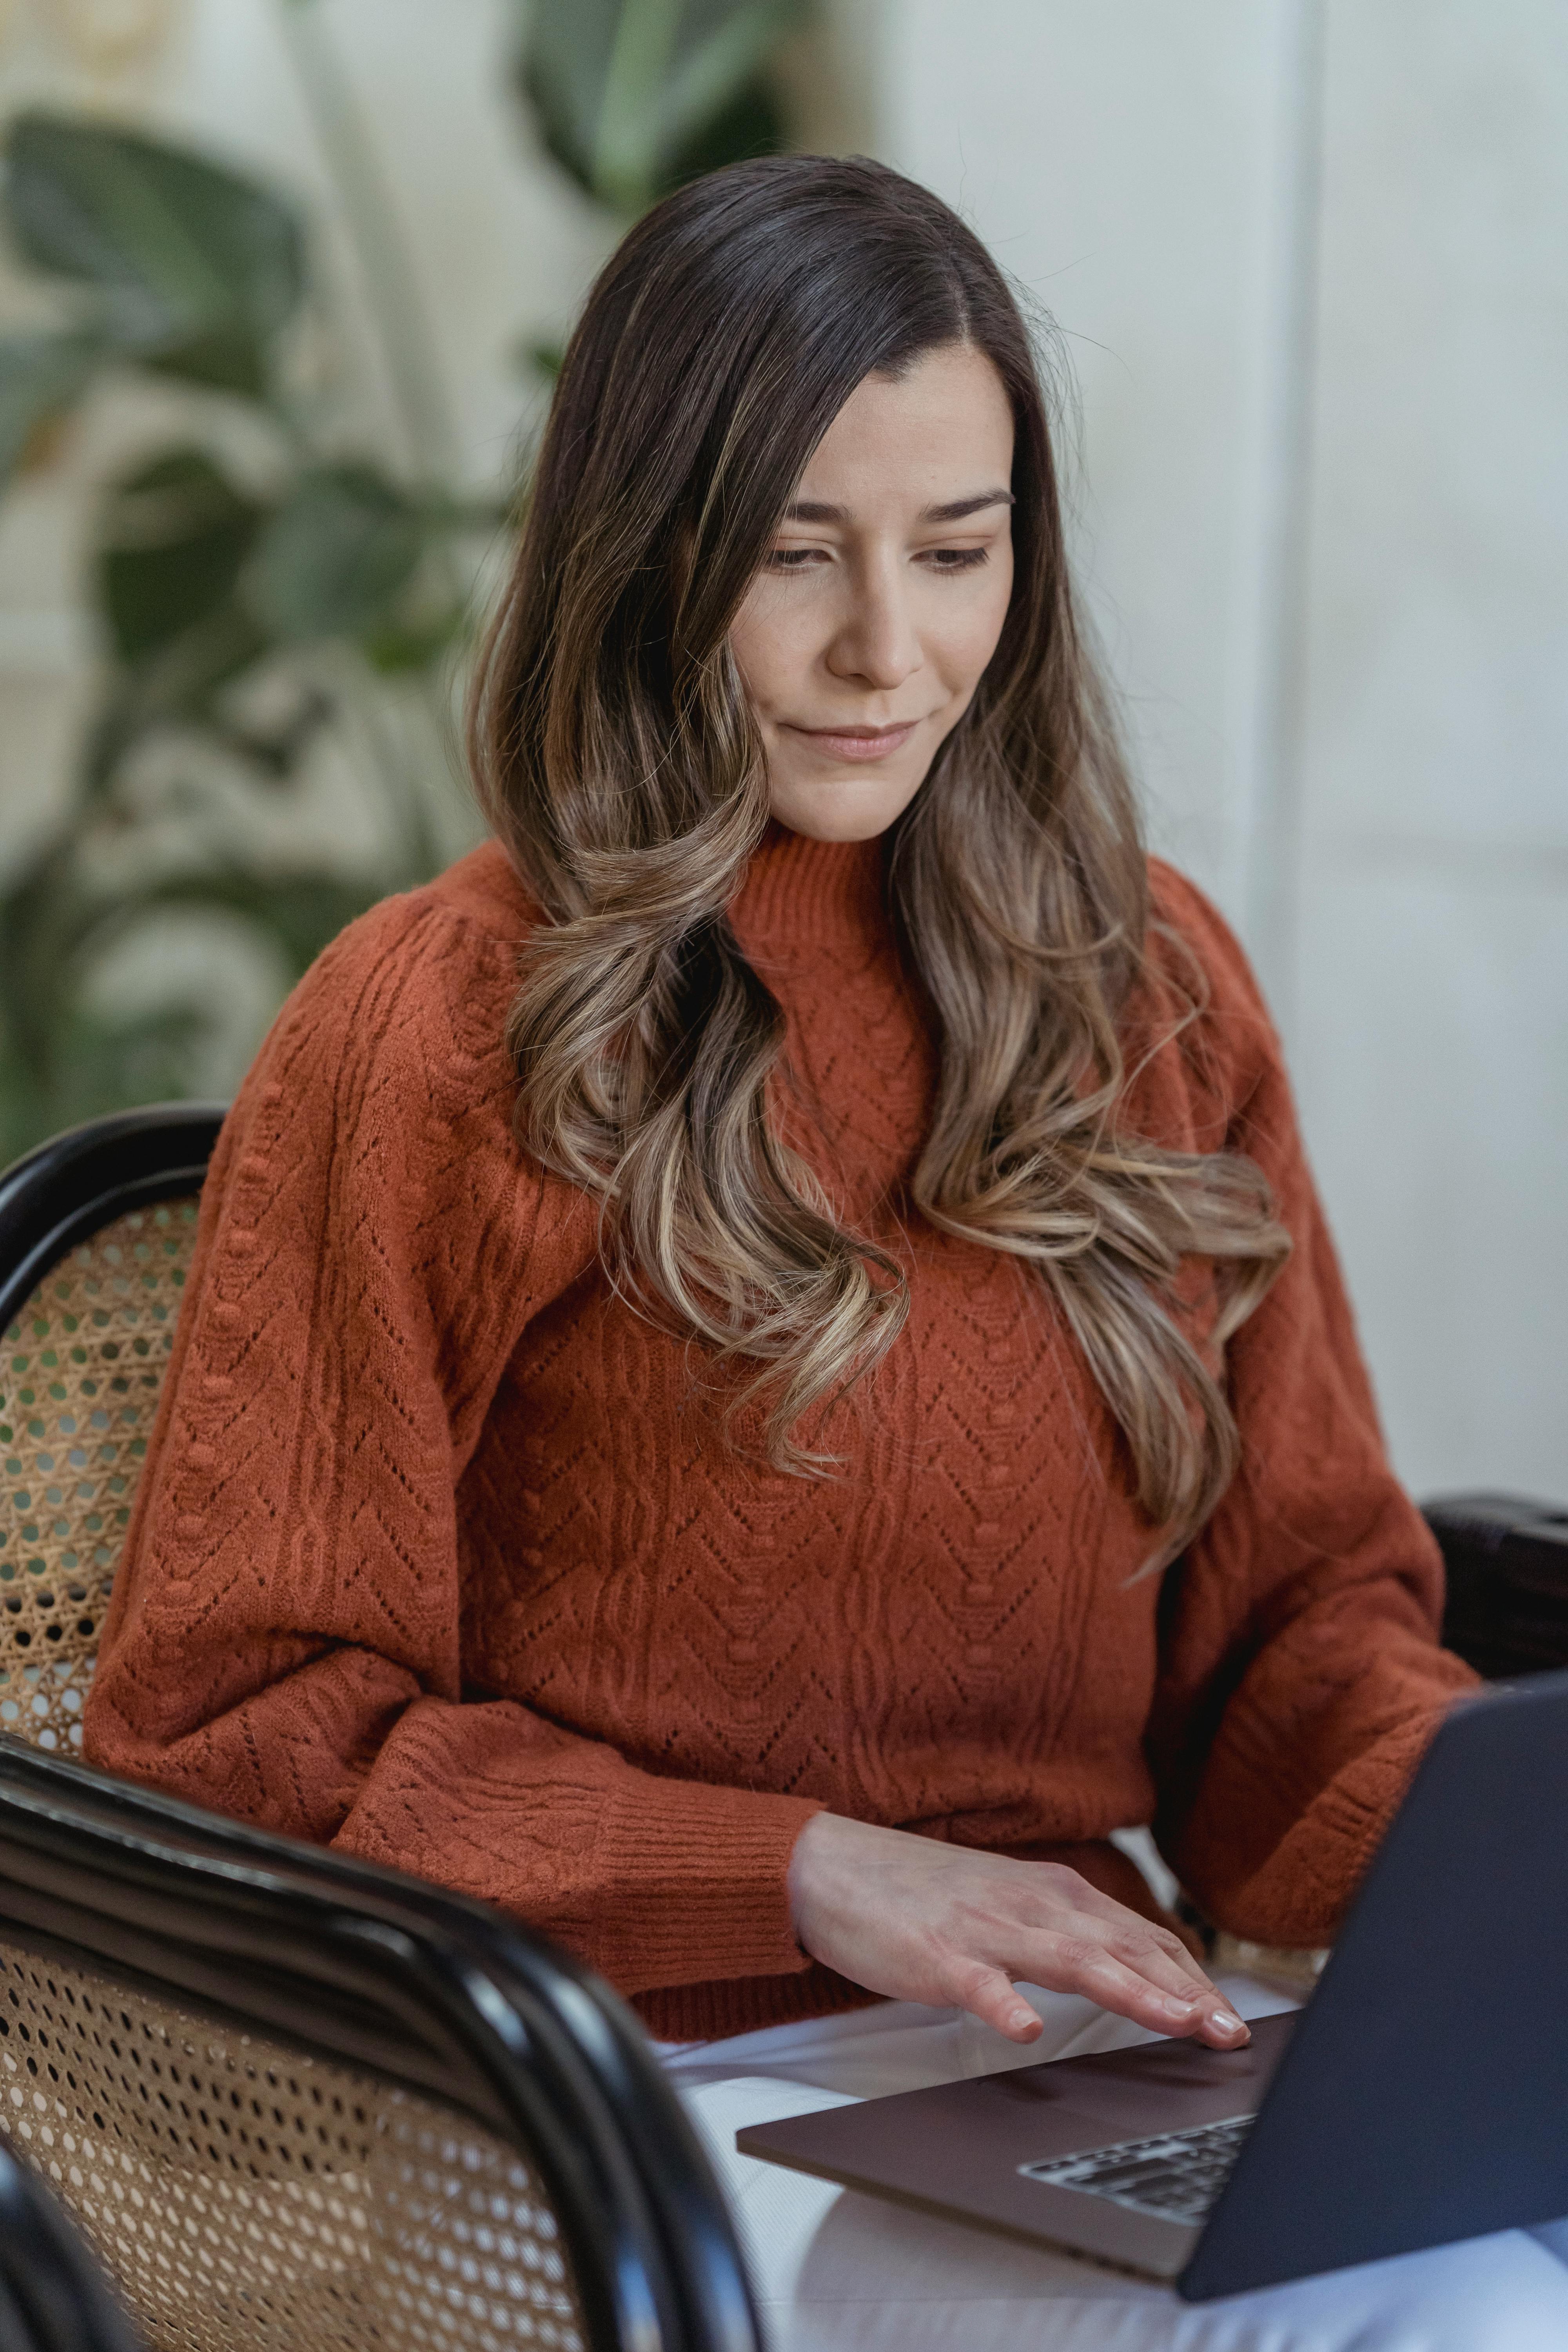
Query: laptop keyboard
[{"x": 1176, "y": 2178}]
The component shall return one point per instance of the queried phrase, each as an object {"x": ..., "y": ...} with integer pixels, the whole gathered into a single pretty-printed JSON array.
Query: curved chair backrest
[
  {"x": 96, "y": 1232},
  {"x": 292, "y": 2099},
  {"x": 52, "y": 2298}
]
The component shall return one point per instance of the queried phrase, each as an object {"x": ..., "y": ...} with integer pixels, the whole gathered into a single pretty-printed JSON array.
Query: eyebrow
[{"x": 815, "y": 510}]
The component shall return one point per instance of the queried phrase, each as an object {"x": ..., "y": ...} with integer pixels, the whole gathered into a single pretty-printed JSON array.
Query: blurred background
[{"x": 281, "y": 286}]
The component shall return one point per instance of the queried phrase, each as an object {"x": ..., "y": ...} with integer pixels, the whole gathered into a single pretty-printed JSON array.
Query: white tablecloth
[{"x": 834, "y": 2270}]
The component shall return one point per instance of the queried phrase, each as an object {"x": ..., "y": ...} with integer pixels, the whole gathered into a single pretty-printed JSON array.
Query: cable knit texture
[{"x": 439, "y": 1556}]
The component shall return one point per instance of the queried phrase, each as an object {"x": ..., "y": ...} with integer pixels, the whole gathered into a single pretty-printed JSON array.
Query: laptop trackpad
[
  {"x": 1158, "y": 2086},
  {"x": 961, "y": 2146}
]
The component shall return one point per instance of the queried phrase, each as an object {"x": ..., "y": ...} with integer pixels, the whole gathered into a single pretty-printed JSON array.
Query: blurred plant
[
  {"x": 255, "y": 584},
  {"x": 264, "y": 585},
  {"x": 636, "y": 96}
]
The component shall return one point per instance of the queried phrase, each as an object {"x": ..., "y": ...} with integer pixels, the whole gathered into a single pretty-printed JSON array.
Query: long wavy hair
[{"x": 620, "y": 765}]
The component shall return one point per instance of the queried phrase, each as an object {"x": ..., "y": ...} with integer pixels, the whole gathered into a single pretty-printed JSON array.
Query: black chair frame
[
  {"x": 78, "y": 1181},
  {"x": 1507, "y": 1563},
  {"x": 52, "y": 2297},
  {"x": 362, "y": 1965}
]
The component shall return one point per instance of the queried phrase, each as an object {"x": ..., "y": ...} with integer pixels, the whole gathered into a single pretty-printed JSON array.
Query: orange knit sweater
[{"x": 437, "y": 1556}]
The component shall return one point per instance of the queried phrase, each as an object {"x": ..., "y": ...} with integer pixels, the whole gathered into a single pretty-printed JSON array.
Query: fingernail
[
  {"x": 1179, "y": 2004},
  {"x": 1224, "y": 2021}
]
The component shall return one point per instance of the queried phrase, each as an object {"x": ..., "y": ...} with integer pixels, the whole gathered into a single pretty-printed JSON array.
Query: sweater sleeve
[
  {"x": 284, "y": 1639},
  {"x": 1301, "y": 1676}
]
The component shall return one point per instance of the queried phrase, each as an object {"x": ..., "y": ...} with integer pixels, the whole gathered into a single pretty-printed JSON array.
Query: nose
[{"x": 877, "y": 643}]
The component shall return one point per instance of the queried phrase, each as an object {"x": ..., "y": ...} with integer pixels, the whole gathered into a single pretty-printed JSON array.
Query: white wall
[
  {"x": 1308, "y": 259},
  {"x": 1117, "y": 159},
  {"x": 1432, "y": 879}
]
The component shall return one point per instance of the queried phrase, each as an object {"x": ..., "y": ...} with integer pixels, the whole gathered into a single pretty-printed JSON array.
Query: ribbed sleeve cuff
[
  {"x": 1300, "y": 1894},
  {"x": 696, "y": 1880}
]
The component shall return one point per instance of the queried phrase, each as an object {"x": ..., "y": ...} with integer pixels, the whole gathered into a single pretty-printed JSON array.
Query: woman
[{"x": 764, "y": 1369}]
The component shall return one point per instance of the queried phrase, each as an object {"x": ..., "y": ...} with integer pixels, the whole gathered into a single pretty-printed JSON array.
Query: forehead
[{"x": 940, "y": 432}]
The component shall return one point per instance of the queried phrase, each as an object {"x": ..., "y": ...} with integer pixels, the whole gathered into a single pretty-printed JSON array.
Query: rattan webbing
[
  {"x": 80, "y": 1374},
  {"x": 248, "y": 2198}
]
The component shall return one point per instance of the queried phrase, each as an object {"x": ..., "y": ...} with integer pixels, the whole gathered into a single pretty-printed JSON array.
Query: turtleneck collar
[{"x": 797, "y": 891}]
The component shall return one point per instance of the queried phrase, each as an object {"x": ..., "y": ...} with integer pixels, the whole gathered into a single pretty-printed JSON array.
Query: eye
[
  {"x": 793, "y": 558},
  {"x": 956, "y": 559}
]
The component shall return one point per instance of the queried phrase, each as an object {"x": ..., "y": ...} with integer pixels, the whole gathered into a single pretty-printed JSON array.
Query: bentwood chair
[
  {"x": 291, "y": 2100},
  {"x": 52, "y": 2297}
]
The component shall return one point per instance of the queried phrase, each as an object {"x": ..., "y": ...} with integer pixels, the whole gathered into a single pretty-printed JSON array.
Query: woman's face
[{"x": 881, "y": 600}]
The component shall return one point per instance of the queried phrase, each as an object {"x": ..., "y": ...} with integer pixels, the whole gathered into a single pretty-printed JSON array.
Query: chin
[{"x": 852, "y": 809}]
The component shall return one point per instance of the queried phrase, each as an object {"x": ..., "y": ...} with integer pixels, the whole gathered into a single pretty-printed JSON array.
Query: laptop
[{"x": 1421, "y": 2097}]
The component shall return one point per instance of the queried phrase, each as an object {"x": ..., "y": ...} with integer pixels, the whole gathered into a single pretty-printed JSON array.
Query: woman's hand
[{"x": 917, "y": 1920}]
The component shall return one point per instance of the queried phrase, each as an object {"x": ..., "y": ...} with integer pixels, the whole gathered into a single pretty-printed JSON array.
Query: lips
[{"x": 857, "y": 743}]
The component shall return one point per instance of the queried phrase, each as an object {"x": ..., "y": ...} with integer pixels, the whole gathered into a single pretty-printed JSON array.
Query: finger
[
  {"x": 1187, "y": 1952},
  {"x": 1147, "y": 1949},
  {"x": 1078, "y": 1966},
  {"x": 1224, "y": 2027},
  {"x": 1218, "y": 2022},
  {"x": 1173, "y": 1968},
  {"x": 991, "y": 1996},
  {"x": 1171, "y": 1971},
  {"x": 1177, "y": 1941}
]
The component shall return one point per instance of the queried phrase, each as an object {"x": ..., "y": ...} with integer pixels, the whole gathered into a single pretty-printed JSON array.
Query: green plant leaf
[
  {"x": 623, "y": 87},
  {"x": 172, "y": 539},
  {"x": 399, "y": 647},
  {"x": 752, "y": 124},
  {"x": 333, "y": 558},
  {"x": 41, "y": 376},
  {"x": 720, "y": 53},
  {"x": 561, "y": 66},
  {"x": 177, "y": 683},
  {"x": 45, "y": 914},
  {"x": 196, "y": 267}
]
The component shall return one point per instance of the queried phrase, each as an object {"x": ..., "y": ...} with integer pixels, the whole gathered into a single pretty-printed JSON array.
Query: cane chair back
[
  {"x": 292, "y": 2100},
  {"x": 250, "y": 2196},
  {"x": 80, "y": 1383},
  {"x": 96, "y": 1235}
]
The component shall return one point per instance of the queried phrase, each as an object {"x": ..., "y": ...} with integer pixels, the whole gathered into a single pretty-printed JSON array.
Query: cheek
[
  {"x": 970, "y": 629},
  {"x": 770, "y": 648}
]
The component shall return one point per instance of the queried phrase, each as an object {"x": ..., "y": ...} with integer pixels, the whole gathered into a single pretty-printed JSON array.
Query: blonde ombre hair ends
[{"x": 617, "y": 761}]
